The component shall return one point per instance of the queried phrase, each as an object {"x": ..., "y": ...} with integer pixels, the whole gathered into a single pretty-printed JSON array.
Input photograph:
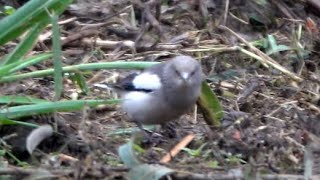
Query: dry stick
[
  {"x": 284, "y": 9},
  {"x": 79, "y": 35},
  {"x": 30, "y": 171},
  {"x": 108, "y": 43},
  {"x": 95, "y": 77},
  {"x": 150, "y": 17},
  {"x": 65, "y": 21},
  {"x": 64, "y": 157},
  {"x": 174, "y": 151},
  {"x": 311, "y": 106},
  {"x": 126, "y": 43},
  {"x": 238, "y": 19},
  {"x": 265, "y": 57},
  {"x": 215, "y": 49},
  {"x": 226, "y": 10},
  {"x": 218, "y": 176}
]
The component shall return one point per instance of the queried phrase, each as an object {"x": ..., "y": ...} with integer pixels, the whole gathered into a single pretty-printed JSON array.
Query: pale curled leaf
[
  {"x": 139, "y": 170},
  {"x": 37, "y": 136},
  {"x": 127, "y": 155},
  {"x": 149, "y": 172}
]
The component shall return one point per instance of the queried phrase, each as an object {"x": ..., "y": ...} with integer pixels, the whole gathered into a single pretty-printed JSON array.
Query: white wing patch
[{"x": 147, "y": 81}]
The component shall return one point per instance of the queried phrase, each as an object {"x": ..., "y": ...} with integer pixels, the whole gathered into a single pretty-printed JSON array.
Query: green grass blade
[
  {"x": 14, "y": 122},
  {"x": 20, "y": 100},
  {"x": 56, "y": 43},
  {"x": 14, "y": 25},
  {"x": 23, "y": 63},
  {"x": 24, "y": 46},
  {"x": 27, "y": 16},
  {"x": 49, "y": 107},
  {"x": 80, "y": 67},
  {"x": 80, "y": 80},
  {"x": 210, "y": 106}
]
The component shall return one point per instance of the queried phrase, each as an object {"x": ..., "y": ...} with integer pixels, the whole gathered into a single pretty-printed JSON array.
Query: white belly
[
  {"x": 142, "y": 107},
  {"x": 134, "y": 102}
]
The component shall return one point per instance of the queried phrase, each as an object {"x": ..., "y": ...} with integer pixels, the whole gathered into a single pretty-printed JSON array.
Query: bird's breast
[{"x": 183, "y": 98}]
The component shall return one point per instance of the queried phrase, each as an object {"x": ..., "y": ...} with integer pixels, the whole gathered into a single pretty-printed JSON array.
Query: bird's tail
[
  {"x": 110, "y": 87},
  {"x": 104, "y": 86}
]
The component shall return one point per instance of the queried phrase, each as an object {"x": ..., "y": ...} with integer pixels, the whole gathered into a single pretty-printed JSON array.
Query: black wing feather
[{"x": 127, "y": 85}]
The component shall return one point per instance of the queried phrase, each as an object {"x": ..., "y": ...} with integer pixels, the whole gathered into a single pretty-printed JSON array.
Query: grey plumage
[{"x": 162, "y": 92}]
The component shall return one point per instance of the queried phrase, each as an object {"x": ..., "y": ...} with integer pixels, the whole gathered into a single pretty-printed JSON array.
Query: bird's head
[{"x": 185, "y": 71}]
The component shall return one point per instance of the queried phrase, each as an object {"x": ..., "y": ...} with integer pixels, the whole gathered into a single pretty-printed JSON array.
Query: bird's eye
[
  {"x": 177, "y": 72},
  {"x": 192, "y": 73}
]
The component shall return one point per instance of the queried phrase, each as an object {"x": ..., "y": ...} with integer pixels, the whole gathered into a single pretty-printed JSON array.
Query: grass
[{"x": 25, "y": 25}]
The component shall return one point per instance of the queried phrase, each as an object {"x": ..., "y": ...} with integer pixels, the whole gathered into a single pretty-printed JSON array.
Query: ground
[{"x": 270, "y": 127}]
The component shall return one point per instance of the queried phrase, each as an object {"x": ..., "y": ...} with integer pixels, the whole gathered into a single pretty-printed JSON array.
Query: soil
[{"x": 271, "y": 123}]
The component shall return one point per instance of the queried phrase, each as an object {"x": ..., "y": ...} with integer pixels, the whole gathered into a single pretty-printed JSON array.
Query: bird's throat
[{"x": 181, "y": 98}]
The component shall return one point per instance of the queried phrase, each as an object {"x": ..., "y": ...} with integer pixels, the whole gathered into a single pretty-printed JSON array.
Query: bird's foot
[
  {"x": 151, "y": 137},
  {"x": 170, "y": 130}
]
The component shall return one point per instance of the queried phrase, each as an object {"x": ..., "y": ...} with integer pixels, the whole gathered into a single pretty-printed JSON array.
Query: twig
[
  {"x": 147, "y": 15},
  {"x": 311, "y": 106},
  {"x": 150, "y": 17},
  {"x": 108, "y": 43},
  {"x": 29, "y": 171},
  {"x": 66, "y": 21},
  {"x": 284, "y": 9},
  {"x": 64, "y": 157},
  {"x": 185, "y": 141},
  {"x": 238, "y": 19},
  {"x": 226, "y": 10},
  {"x": 79, "y": 35},
  {"x": 215, "y": 49},
  {"x": 217, "y": 176},
  {"x": 265, "y": 57}
]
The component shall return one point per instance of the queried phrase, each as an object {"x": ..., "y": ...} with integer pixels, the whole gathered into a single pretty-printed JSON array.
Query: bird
[{"x": 162, "y": 92}]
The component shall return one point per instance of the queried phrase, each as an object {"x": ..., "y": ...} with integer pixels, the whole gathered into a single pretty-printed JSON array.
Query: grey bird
[{"x": 162, "y": 92}]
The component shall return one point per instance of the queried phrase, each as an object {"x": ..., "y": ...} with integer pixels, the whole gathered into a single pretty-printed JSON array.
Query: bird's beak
[{"x": 185, "y": 76}]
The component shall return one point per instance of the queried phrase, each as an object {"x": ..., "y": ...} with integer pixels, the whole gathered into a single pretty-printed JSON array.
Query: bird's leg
[
  {"x": 150, "y": 136},
  {"x": 145, "y": 131},
  {"x": 170, "y": 129}
]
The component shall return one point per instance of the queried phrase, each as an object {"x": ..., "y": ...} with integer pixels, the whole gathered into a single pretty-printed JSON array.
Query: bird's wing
[
  {"x": 126, "y": 83},
  {"x": 145, "y": 81}
]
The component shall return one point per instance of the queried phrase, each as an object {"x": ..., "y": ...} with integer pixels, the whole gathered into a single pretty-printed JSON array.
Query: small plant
[
  {"x": 195, "y": 152},
  {"x": 7, "y": 10},
  {"x": 234, "y": 159},
  {"x": 213, "y": 164}
]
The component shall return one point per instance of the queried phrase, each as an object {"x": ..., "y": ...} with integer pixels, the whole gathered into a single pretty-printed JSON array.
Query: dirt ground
[{"x": 271, "y": 123}]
